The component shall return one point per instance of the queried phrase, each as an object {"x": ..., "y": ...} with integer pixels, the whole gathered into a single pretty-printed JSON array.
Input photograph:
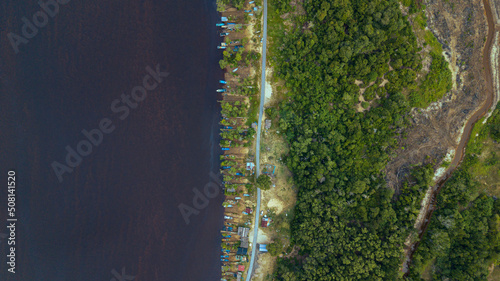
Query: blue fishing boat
[
  {"x": 225, "y": 148},
  {"x": 222, "y": 82},
  {"x": 221, "y": 90},
  {"x": 226, "y": 167},
  {"x": 219, "y": 24}
]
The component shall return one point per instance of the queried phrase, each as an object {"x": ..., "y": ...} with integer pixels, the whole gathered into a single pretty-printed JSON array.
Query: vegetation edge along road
[
  {"x": 257, "y": 146},
  {"x": 343, "y": 201}
]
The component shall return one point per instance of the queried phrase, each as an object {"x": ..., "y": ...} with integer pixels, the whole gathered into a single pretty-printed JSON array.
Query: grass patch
[
  {"x": 434, "y": 85},
  {"x": 427, "y": 271},
  {"x": 276, "y": 28},
  {"x": 436, "y": 47},
  {"x": 253, "y": 111},
  {"x": 485, "y": 151},
  {"x": 421, "y": 20}
]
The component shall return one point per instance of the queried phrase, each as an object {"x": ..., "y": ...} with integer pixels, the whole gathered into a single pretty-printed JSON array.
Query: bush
[
  {"x": 264, "y": 182},
  {"x": 435, "y": 85},
  {"x": 271, "y": 112},
  {"x": 275, "y": 248},
  {"x": 494, "y": 124},
  {"x": 238, "y": 4},
  {"x": 221, "y": 5}
]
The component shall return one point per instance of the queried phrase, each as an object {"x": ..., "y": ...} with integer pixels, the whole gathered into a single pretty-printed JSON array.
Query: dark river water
[{"x": 113, "y": 214}]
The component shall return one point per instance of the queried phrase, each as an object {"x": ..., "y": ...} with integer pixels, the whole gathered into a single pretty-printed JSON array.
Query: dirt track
[{"x": 460, "y": 150}]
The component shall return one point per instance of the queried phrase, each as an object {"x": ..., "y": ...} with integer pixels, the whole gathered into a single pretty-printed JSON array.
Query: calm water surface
[{"x": 119, "y": 208}]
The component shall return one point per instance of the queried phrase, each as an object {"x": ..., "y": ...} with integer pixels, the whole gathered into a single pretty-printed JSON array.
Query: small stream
[{"x": 469, "y": 126}]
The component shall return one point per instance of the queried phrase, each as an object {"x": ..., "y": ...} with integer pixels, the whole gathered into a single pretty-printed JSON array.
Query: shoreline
[
  {"x": 274, "y": 206},
  {"x": 239, "y": 92}
]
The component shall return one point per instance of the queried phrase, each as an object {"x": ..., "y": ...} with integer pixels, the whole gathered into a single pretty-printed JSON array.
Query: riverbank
[
  {"x": 491, "y": 78},
  {"x": 241, "y": 46}
]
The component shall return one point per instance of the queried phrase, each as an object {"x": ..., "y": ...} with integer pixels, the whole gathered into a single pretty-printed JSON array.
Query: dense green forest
[
  {"x": 348, "y": 224},
  {"x": 463, "y": 238}
]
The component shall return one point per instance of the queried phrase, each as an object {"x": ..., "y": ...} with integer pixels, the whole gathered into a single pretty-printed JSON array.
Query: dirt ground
[
  {"x": 460, "y": 26},
  {"x": 263, "y": 268},
  {"x": 281, "y": 197},
  {"x": 495, "y": 274}
]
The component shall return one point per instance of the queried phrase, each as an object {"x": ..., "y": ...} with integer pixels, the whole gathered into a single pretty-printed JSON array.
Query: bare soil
[
  {"x": 265, "y": 264},
  {"x": 281, "y": 198},
  {"x": 460, "y": 26},
  {"x": 488, "y": 100}
]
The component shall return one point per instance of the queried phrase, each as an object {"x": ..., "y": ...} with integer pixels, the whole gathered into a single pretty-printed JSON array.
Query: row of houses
[{"x": 243, "y": 248}]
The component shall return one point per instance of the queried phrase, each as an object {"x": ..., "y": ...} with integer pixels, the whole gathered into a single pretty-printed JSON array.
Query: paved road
[{"x": 257, "y": 149}]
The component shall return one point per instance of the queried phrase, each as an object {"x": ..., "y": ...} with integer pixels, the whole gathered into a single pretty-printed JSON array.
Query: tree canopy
[
  {"x": 264, "y": 182},
  {"x": 347, "y": 224}
]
